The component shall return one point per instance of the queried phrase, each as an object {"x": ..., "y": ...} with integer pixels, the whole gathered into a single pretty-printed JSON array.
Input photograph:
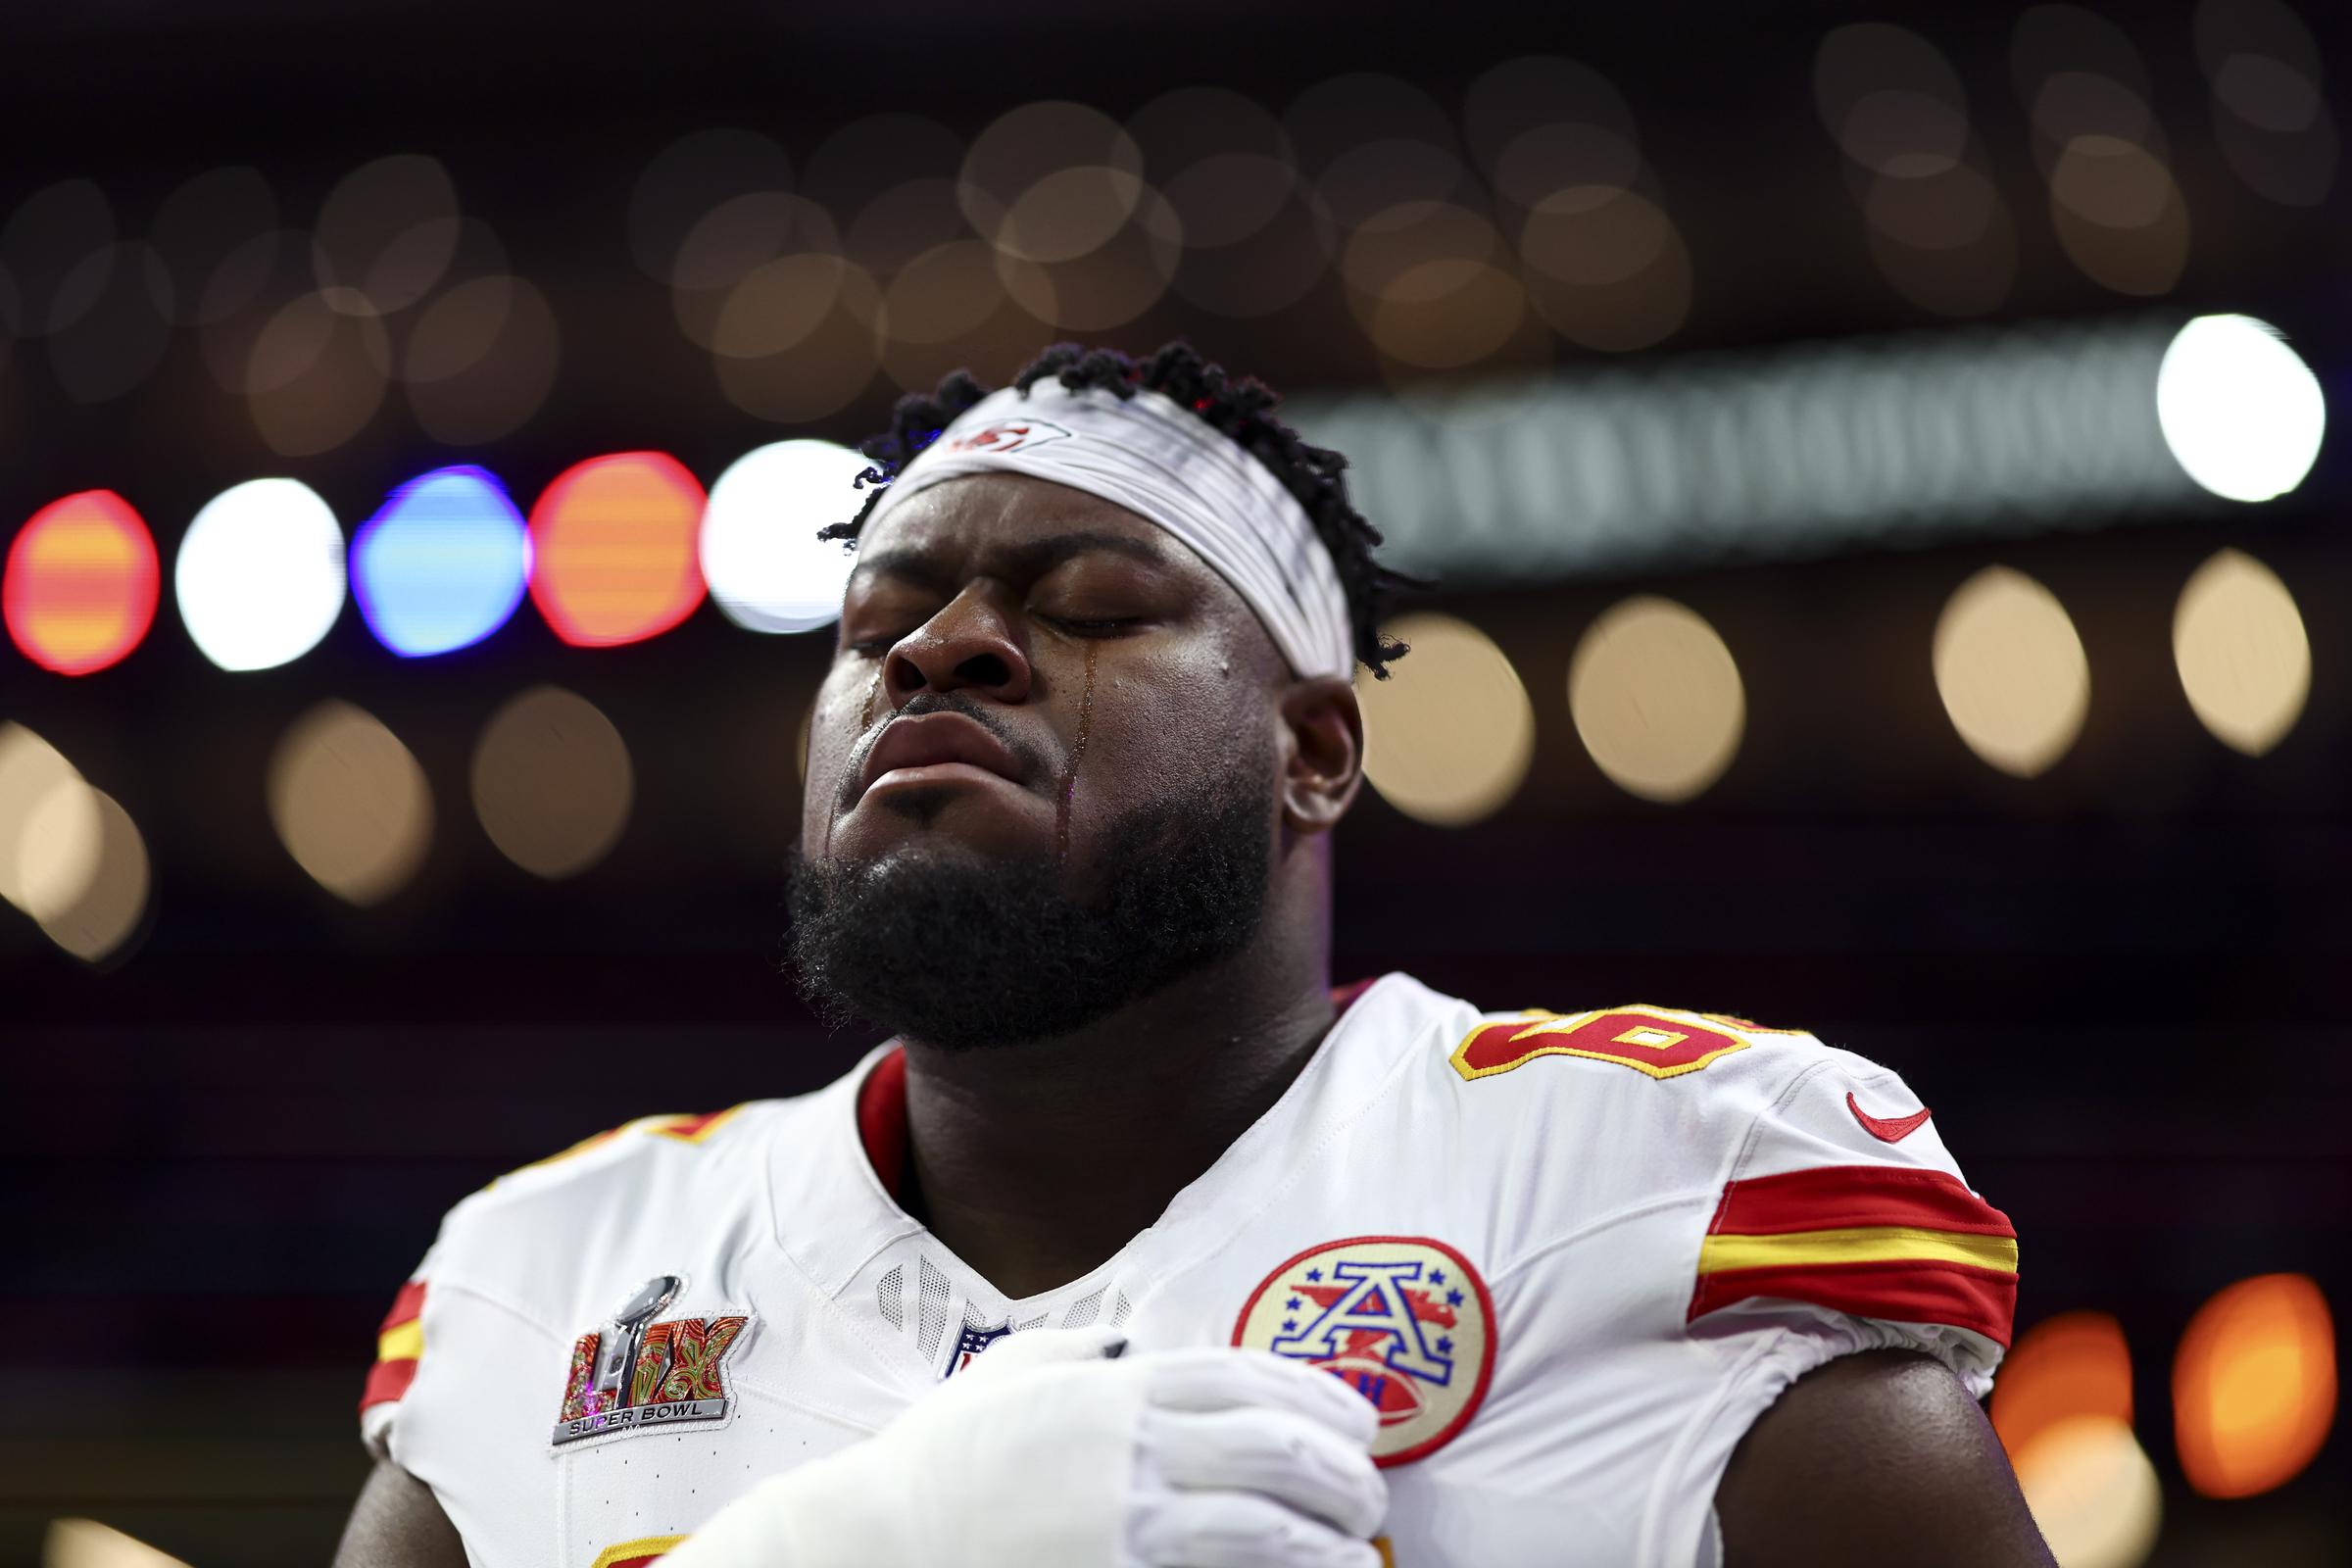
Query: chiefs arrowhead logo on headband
[
  {"x": 1166, "y": 464},
  {"x": 1006, "y": 435}
]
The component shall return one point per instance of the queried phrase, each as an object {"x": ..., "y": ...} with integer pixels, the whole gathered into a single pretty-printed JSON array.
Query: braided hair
[{"x": 1241, "y": 409}]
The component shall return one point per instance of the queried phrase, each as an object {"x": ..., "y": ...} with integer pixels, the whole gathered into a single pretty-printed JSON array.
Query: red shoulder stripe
[
  {"x": 387, "y": 1380},
  {"x": 1845, "y": 1197},
  {"x": 407, "y": 1306},
  {"x": 1908, "y": 1292}
]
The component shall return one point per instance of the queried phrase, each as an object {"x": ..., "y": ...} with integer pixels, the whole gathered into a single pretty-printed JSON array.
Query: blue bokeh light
[{"x": 442, "y": 565}]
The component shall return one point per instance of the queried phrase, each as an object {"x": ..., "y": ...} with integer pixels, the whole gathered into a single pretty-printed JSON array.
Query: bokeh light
[
  {"x": 1607, "y": 267},
  {"x": 81, "y": 585},
  {"x": 1448, "y": 735},
  {"x": 260, "y": 577},
  {"x": 797, "y": 337},
  {"x": 245, "y": 292},
  {"x": 732, "y": 242},
  {"x": 2074, "y": 1364},
  {"x": 1938, "y": 227},
  {"x": 2011, "y": 671},
  {"x": 2239, "y": 645},
  {"x": 442, "y": 565},
  {"x": 388, "y": 231},
  {"x": 317, "y": 371},
  {"x": 481, "y": 360},
  {"x": 1369, "y": 142},
  {"x": 52, "y": 872},
  {"x": 349, "y": 803},
  {"x": 1658, "y": 700},
  {"x": 87, "y": 1544},
  {"x": 2254, "y": 1386},
  {"x": 2094, "y": 1493},
  {"x": 2270, "y": 117},
  {"x": 552, "y": 782},
  {"x": 81, "y": 866},
  {"x": 683, "y": 182},
  {"x": 767, "y": 568},
  {"x": 2241, "y": 412},
  {"x": 612, "y": 542},
  {"x": 2119, "y": 215},
  {"x": 1256, "y": 234}
]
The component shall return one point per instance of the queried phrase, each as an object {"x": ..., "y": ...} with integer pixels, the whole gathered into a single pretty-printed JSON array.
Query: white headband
[{"x": 1162, "y": 462}]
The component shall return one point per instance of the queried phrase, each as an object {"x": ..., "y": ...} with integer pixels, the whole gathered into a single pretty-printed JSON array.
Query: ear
[{"x": 1326, "y": 760}]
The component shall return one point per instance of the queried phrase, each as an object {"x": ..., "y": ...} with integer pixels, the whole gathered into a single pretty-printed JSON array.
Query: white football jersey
[{"x": 1570, "y": 1257}]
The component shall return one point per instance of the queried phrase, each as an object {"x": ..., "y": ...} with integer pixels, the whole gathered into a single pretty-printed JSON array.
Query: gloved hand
[{"x": 1043, "y": 1454}]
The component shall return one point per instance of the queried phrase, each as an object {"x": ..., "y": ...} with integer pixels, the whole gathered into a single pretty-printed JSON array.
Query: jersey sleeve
[
  {"x": 1843, "y": 1225},
  {"x": 1843, "y": 1197},
  {"x": 399, "y": 1348}
]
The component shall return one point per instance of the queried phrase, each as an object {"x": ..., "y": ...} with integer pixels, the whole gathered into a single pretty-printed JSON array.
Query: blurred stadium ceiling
[{"x": 1737, "y": 223}]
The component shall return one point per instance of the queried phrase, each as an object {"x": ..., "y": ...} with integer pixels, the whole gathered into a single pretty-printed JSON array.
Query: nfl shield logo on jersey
[
  {"x": 1403, "y": 1320},
  {"x": 973, "y": 1340}
]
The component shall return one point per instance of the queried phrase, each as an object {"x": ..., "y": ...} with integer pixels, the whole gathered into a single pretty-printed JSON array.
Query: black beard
[{"x": 966, "y": 956}]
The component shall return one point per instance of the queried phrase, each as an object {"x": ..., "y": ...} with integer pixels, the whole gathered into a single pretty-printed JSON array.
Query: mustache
[{"x": 1032, "y": 761}]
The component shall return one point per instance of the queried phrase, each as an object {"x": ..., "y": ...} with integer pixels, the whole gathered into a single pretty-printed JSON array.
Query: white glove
[{"x": 1043, "y": 1455}]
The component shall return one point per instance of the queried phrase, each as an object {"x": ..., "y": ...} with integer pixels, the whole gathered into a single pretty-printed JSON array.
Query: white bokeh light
[
  {"x": 761, "y": 553},
  {"x": 261, "y": 576},
  {"x": 2241, "y": 409}
]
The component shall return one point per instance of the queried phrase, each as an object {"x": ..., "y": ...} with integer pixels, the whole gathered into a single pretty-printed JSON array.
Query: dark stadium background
[{"x": 2124, "y": 986}]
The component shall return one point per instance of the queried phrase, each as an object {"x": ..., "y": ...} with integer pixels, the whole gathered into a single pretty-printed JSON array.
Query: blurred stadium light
[
  {"x": 2010, "y": 668},
  {"x": 1824, "y": 447},
  {"x": 81, "y": 585},
  {"x": 2254, "y": 1386},
  {"x": 2093, "y": 1492},
  {"x": 612, "y": 549},
  {"x": 552, "y": 782},
  {"x": 760, "y": 551},
  {"x": 87, "y": 1544},
  {"x": 2074, "y": 1364},
  {"x": 1657, "y": 699},
  {"x": 442, "y": 565},
  {"x": 260, "y": 577},
  {"x": 2242, "y": 650},
  {"x": 350, "y": 802},
  {"x": 1448, "y": 735}
]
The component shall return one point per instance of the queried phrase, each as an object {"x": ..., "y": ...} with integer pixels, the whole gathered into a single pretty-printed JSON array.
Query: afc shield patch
[{"x": 1403, "y": 1320}]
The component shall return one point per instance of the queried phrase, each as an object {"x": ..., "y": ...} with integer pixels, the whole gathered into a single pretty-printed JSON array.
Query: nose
[{"x": 968, "y": 646}]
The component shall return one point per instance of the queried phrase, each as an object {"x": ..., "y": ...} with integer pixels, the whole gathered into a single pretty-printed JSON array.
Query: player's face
[{"x": 1020, "y": 669}]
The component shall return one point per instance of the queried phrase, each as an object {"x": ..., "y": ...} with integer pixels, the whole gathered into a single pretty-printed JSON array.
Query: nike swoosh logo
[{"x": 1887, "y": 1128}]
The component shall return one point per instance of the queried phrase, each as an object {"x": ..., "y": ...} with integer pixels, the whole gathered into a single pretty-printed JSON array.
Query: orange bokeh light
[
  {"x": 81, "y": 585},
  {"x": 2074, "y": 1364},
  {"x": 2254, "y": 1386},
  {"x": 613, "y": 549}
]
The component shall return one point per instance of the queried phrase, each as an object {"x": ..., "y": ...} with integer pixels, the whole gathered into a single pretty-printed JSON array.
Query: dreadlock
[{"x": 1241, "y": 409}]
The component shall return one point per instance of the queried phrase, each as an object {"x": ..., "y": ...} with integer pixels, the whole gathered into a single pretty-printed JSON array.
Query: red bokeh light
[
  {"x": 613, "y": 549},
  {"x": 80, "y": 589}
]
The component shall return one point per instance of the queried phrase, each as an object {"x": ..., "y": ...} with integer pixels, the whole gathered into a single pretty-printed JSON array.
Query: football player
[{"x": 1139, "y": 1246}]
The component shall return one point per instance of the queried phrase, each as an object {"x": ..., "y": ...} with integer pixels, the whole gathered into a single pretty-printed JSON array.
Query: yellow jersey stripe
[
  {"x": 1870, "y": 1243},
  {"x": 403, "y": 1343}
]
